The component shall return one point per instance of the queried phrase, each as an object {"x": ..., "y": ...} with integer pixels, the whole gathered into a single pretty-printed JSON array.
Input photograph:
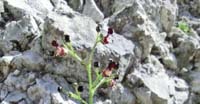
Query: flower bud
[
  {"x": 54, "y": 43},
  {"x": 110, "y": 30},
  {"x": 113, "y": 65},
  {"x": 96, "y": 64},
  {"x": 98, "y": 29},
  {"x": 105, "y": 40},
  {"x": 80, "y": 88},
  {"x": 67, "y": 38}
]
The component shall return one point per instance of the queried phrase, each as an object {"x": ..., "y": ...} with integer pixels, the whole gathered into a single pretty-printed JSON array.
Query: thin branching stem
[{"x": 99, "y": 84}]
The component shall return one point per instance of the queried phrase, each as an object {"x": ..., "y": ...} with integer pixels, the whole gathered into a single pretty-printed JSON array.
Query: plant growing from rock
[
  {"x": 102, "y": 77},
  {"x": 183, "y": 26}
]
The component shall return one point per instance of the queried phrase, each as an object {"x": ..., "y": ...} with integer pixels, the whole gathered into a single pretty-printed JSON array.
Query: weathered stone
[
  {"x": 119, "y": 92},
  {"x": 195, "y": 6},
  {"x": 76, "y": 4},
  {"x": 20, "y": 8},
  {"x": 91, "y": 10},
  {"x": 170, "y": 61},
  {"x": 168, "y": 14},
  {"x": 1, "y": 7},
  {"x": 5, "y": 62},
  {"x": 6, "y": 46},
  {"x": 153, "y": 75},
  {"x": 139, "y": 13},
  {"x": 144, "y": 95},
  {"x": 4, "y": 91},
  {"x": 21, "y": 82},
  {"x": 45, "y": 89},
  {"x": 28, "y": 59},
  {"x": 14, "y": 97},
  {"x": 145, "y": 42},
  {"x": 195, "y": 82}
]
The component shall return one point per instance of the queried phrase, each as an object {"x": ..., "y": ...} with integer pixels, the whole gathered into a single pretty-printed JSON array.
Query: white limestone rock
[
  {"x": 162, "y": 89},
  {"x": 4, "y": 91},
  {"x": 30, "y": 60},
  {"x": 14, "y": 97},
  {"x": 195, "y": 82},
  {"x": 19, "y": 8},
  {"x": 5, "y": 63},
  {"x": 45, "y": 89},
  {"x": 91, "y": 10},
  {"x": 145, "y": 42},
  {"x": 170, "y": 61},
  {"x": 121, "y": 95},
  {"x": 1, "y": 7},
  {"x": 20, "y": 82},
  {"x": 168, "y": 13}
]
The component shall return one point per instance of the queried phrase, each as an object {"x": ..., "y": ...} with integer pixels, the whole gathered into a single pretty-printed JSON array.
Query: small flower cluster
[
  {"x": 107, "y": 72},
  {"x": 104, "y": 38},
  {"x": 60, "y": 50}
]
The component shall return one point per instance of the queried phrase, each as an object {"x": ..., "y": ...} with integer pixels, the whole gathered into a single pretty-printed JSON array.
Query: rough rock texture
[{"x": 159, "y": 63}]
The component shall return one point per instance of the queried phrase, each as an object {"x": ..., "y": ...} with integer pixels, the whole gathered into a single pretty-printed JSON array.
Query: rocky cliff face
[{"x": 159, "y": 62}]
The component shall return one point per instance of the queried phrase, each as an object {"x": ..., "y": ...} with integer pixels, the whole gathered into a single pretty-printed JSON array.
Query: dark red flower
[
  {"x": 54, "y": 43},
  {"x": 116, "y": 65},
  {"x": 110, "y": 30},
  {"x": 113, "y": 65},
  {"x": 60, "y": 51},
  {"x": 105, "y": 40},
  {"x": 106, "y": 73},
  {"x": 108, "y": 70}
]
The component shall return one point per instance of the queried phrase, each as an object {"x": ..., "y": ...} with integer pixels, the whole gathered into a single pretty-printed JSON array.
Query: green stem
[
  {"x": 93, "y": 48},
  {"x": 90, "y": 83},
  {"x": 75, "y": 96},
  {"x": 92, "y": 53},
  {"x": 72, "y": 51},
  {"x": 88, "y": 67},
  {"x": 83, "y": 101},
  {"x": 73, "y": 54},
  {"x": 89, "y": 71},
  {"x": 91, "y": 97},
  {"x": 99, "y": 84},
  {"x": 98, "y": 78}
]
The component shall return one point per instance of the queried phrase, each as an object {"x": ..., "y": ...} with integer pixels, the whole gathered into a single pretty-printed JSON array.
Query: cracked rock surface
[{"x": 159, "y": 63}]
